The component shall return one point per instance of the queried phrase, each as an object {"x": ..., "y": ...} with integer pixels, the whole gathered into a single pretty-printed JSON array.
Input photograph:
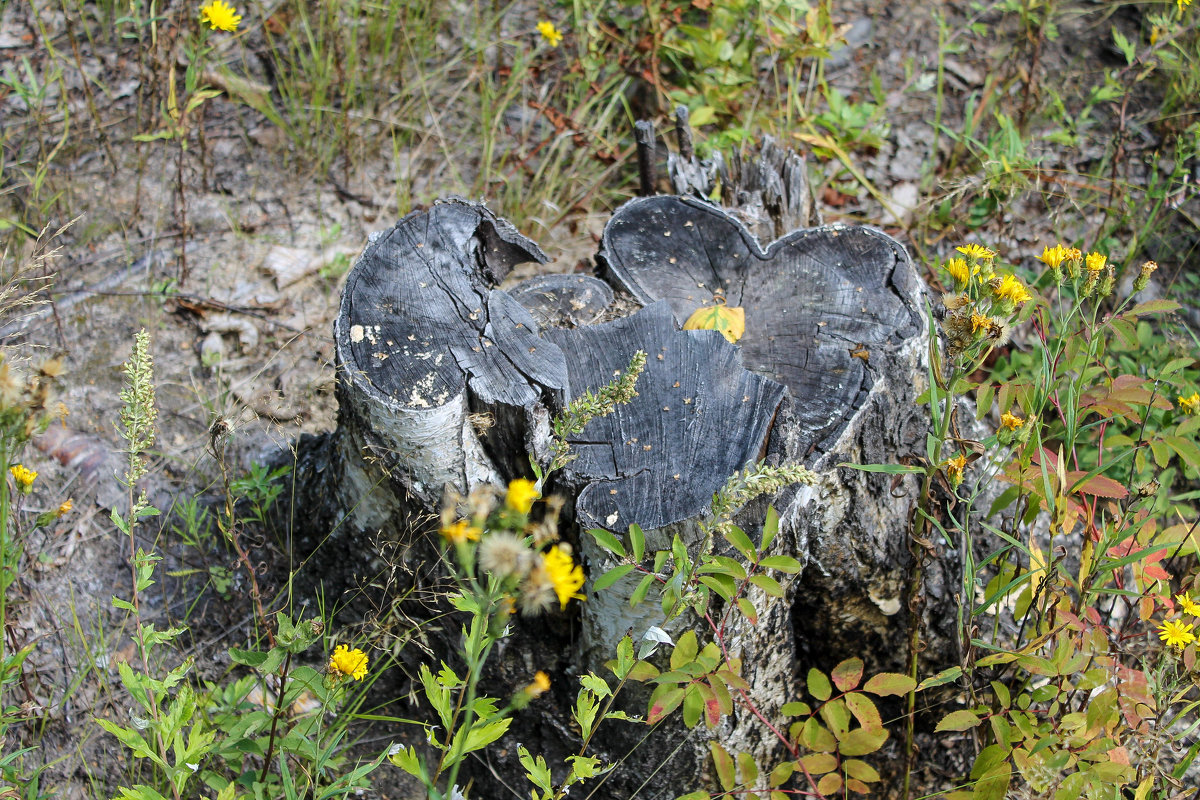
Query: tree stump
[{"x": 445, "y": 380}]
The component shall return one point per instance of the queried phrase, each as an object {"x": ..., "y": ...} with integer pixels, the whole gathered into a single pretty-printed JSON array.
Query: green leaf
[
  {"x": 962, "y": 720},
  {"x": 724, "y": 764},
  {"x": 723, "y": 585},
  {"x": 637, "y": 541},
  {"x": 767, "y": 584},
  {"x": 795, "y": 709},
  {"x": 890, "y": 469},
  {"x": 889, "y": 683},
  {"x": 785, "y": 564},
  {"x": 536, "y": 770},
  {"x": 693, "y": 706},
  {"x": 607, "y": 541},
  {"x": 1127, "y": 48},
  {"x": 945, "y": 676},
  {"x": 836, "y": 717},
  {"x": 685, "y": 650},
  {"x": 747, "y": 769},
  {"x": 860, "y": 741},
  {"x": 483, "y": 735},
  {"x": 816, "y": 737},
  {"x": 819, "y": 763},
  {"x": 665, "y": 699},
  {"x": 748, "y": 610},
  {"x": 994, "y": 784},
  {"x": 250, "y": 658},
  {"x": 781, "y": 773},
  {"x": 770, "y": 528},
  {"x": 639, "y": 594},
  {"x": 860, "y": 770},
  {"x": 864, "y": 710},
  {"x": 818, "y": 685},
  {"x": 847, "y": 674},
  {"x": 741, "y": 542},
  {"x": 612, "y": 576}
]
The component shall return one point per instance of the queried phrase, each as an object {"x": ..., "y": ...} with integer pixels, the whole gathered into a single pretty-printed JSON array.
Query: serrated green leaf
[
  {"x": 889, "y": 683},
  {"x": 961, "y": 720},
  {"x": 819, "y": 685},
  {"x": 860, "y": 741}
]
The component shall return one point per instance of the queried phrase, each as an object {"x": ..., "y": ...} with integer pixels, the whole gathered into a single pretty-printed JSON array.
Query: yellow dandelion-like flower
[
  {"x": 1183, "y": 4},
  {"x": 566, "y": 575},
  {"x": 1095, "y": 262},
  {"x": 957, "y": 267},
  {"x": 1189, "y": 605},
  {"x": 64, "y": 508},
  {"x": 980, "y": 322},
  {"x": 1011, "y": 288},
  {"x": 1176, "y": 633},
  {"x": 24, "y": 477},
  {"x": 1053, "y": 257},
  {"x": 539, "y": 685},
  {"x": 976, "y": 251},
  {"x": 349, "y": 663},
  {"x": 954, "y": 469},
  {"x": 521, "y": 494},
  {"x": 1011, "y": 421},
  {"x": 552, "y": 35},
  {"x": 1188, "y": 405},
  {"x": 220, "y": 15},
  {"x": 461, "y": 531}
]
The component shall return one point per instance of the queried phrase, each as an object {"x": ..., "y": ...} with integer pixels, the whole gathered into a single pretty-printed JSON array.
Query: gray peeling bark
[{"x": 827, "y": 371}]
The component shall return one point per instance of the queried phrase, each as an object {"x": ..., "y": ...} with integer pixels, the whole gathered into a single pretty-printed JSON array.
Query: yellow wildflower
[
  {"x": 540, "y": 684},
  {"x": 1095, "y": 262},
  {"x": 1011, "y": 421},
  {"x": 521, "y": 494},
  {"x": 24, "y": 477},
  {"x": 220, "y": 15},
  {"x": 1183, "y": 4},
  {"x": 979, "y": 321},
  {"x": 461, "y": 531},
  {"x": 551, "y": 34},
  {"x": 954, "y": 469},
  {"x": 1189, "y": 605},
  {"x": 349, "y": 663},
  {"x": 1011, "y": 288},
  {"x": 1176, "y": 634},
  {"x": 1053, "y": 257},
  {"x": 64, "y": 508},
  {"x": 1188, "y": 405},
  {"x": 957, "y": 267},
  {"x": 976, "y": 251},
  {"x": 565, "y": 575}
]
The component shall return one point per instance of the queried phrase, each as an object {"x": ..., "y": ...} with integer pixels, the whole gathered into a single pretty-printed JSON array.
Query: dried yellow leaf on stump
[{"x": 729, "y": 320}]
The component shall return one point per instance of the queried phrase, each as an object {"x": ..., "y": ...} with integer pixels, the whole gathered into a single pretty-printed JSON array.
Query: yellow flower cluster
[
  {"x": 521, "y": 494},
  {"x": 220, "y": 16},
  {"x": 1177, "y": 633},
  {"x": 1188, "y": 405},
  {"x": 349, "y": 663},
  {"x": 954, "y": 469},
  {"x": 24, "y": 477},
  {"x": 983, "y": 304},
  {"x": 552, "y": 35}
]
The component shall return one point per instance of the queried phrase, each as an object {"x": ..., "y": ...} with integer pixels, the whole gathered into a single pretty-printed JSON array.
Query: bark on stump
[{"x": 832, "y": 359}]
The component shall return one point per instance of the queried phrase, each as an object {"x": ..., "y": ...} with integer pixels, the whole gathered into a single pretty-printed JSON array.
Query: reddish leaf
[{"x": 847, "y": 674}]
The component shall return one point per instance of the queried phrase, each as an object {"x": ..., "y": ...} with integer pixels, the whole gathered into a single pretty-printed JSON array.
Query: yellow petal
[{"x": 729, "y": 320}]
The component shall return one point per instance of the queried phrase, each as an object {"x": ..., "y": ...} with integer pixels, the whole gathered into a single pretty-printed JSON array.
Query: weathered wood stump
[{"x": 445, "y": 380}]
